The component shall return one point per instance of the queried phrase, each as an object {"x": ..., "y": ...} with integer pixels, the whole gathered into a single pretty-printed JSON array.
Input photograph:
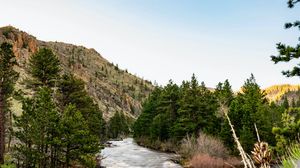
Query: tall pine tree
[
  {"x": 44, "y": 66},
  {"x": 7, "y": 79}
]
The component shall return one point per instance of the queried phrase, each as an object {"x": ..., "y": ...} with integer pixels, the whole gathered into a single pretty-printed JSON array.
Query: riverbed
[{"x": 127, "y": 154}]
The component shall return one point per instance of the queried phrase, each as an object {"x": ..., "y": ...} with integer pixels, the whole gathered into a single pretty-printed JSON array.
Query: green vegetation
[
  {"x": 288, "y": 132},
  {"x": 60, "y": 125},
  {"x": 8, "y": 78},
  {"x": 119, "y": 126},
  {"x": 287, "y": 52},
  {"x": 71, "y": 91},
  {"x": 292, "y": 157},
  {"x": 44, "y": 67},
  {"x": 173, "y": 112}
]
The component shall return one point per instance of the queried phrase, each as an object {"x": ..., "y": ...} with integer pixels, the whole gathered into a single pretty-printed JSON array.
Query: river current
[{"x": 127, "y": 154}]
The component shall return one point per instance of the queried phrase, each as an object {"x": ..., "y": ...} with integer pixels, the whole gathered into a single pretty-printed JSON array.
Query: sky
[{"x": 161, "y": 40}]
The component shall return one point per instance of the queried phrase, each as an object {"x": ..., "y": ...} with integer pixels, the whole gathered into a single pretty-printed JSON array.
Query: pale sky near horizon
[{"x": 168, "y": 39}]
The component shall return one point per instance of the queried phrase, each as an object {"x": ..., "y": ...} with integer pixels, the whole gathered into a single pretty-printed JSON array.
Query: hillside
[
  {"x": 112, "y": 89},
  {"x": 277, "y": 92}
]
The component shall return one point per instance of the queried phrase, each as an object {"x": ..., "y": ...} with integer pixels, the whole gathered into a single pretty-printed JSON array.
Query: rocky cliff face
[{"x": 113, "y": 89}]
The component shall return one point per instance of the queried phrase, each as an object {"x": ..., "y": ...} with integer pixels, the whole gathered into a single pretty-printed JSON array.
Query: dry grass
[
  {"x": 206, "y": 161},
  {"x": 204, "y": 144}
]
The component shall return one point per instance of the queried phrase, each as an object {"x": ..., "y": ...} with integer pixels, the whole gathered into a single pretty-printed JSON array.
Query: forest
[
  {"x": 60, "y": 124},
  {"x": 174, "y": 113}
]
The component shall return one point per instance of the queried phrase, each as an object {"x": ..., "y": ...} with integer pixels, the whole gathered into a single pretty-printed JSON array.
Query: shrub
[{"x": 204, "y": 144}]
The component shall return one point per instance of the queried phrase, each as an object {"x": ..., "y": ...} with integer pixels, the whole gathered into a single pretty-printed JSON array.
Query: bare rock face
[{"x": 112, "y": 89}]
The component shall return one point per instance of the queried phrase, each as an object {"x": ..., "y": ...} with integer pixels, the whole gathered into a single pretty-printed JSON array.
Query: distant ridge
[{"x": 277, "y": 92}]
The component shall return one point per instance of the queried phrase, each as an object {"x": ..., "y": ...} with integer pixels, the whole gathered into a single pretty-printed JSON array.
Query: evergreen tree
[
  {"x": 186, "y": 122},
  {"x": 160, "y": 127},
  {"x": 49, "y": 138},
  {"x": 142, "y": 125},
  {"x": 250, "y": 107},
  {"x": 225, "y": 96},
  {"x": 287, "y": 52},
  {"x": 224, "y": 93},
  {"x": 119, "y": 125},
  {"x": 7, "y": 79},
  {"x": 44, "y": 67},
  {"x": 288, "y": 132},
  {"x": 72, "y": 91},
  {"x": 36, "y": 129},
  {"x": 168, "y": 109},
  {"x": 76, "y": 139},
  {"x": 197, "y": 110}
]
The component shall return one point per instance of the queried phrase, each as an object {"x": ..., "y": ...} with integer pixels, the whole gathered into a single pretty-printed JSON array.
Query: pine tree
[
  {"x": 197, "y": 109},
  {"x": 44, "y": 66},
  {"x": 287, "y": 133},
  {"x": 142, "y": 125},
  {"x": 36, "y": 129},
  {"x": 185, "y": 123},
  {"x": 225, "y": 96},
  {"x": 168, "y": 109},
  {"x": 119, "y": 125},
  {"x": 7, "y": 79},
  {"x": 76, "y": 139},
  {"x": 248, "y": 108},
  {"x": 287, "y": 52},
  {"x": 49, "y": 138},
  {"x": 72, "y": 91}
]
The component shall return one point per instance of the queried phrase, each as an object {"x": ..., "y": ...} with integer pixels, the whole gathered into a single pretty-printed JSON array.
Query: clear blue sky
[{"x": 168, "y": 39}]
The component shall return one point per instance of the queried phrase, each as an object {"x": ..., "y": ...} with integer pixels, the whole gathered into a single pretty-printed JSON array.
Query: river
[{"x": 127, "y": 154}]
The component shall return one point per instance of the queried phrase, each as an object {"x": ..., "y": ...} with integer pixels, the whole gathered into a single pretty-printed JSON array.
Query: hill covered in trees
[{"x": 112, "y": 88}]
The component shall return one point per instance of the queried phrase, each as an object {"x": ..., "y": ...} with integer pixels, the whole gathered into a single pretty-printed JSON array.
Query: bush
[{"x": 204, "y": 144}]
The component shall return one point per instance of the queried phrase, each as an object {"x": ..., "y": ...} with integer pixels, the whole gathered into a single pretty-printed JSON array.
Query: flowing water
[{"x": 127, "y": 154}]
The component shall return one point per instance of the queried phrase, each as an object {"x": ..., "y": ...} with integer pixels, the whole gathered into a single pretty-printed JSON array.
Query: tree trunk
[
  {"x": 2, "y": 128},
  {"x": 10, "y": 131}
]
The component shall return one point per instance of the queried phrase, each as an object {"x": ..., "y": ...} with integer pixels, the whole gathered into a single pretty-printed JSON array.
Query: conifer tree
[
  {"x": 72, "y": 91},
  {"x": 287, "y": 133},
  {"x": 248, "y": 108},
  {"x": 287, "y": 53},
  {"x": 168, "y": 109},
  {"x": 225, "y": 96},
  {"x": 44, "y": 66},
  {"x": 76, "y": 139},
  {"x": 142, "y": 125},
  {"x": 37, "y": 129},
  {"x": 119, "y": 125},
  {"x": 7, "y": 79}
]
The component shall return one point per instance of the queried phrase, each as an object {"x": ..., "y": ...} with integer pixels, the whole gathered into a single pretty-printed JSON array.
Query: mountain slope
[
  {"x": 277, "y": 92},
  {"x": 113, "y": 89}
]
